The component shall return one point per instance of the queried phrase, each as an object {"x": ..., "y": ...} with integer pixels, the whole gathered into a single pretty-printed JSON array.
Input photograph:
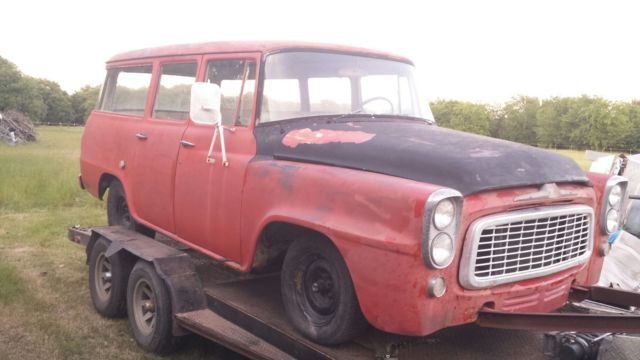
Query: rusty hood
[{"x": 415, "y": 150}]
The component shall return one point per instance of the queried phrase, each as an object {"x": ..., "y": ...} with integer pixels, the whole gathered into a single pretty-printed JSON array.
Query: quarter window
[
  {"x": 174, "y": 91},
  {"x": 125, "y": 90}
]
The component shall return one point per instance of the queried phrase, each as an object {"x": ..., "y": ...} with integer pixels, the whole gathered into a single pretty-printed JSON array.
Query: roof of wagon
[{"x": 246, "y": 46}]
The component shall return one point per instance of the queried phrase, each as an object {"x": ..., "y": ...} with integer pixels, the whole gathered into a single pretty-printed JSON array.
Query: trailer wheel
[
  {"x": 118, "y": 210},
  {"x": 108, "y": 280},
  {"x": 318, "y": 293},
  {"x": 149, "y": 309}
]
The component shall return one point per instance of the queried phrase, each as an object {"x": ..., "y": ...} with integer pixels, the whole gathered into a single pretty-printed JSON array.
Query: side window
[
  {"x": 237, "y": 83},
  {"x": 125, "y": 90},
  {"x": 174, "y": 91}
]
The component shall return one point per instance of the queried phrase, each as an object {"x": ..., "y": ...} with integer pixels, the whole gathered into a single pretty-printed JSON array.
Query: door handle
[
  {"x": 141, "y": 136},
  {"x": 187, "y": 144}
]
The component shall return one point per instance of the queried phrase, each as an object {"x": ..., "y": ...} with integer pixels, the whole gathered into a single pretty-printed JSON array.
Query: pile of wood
[{"x": 17, "y": 123}]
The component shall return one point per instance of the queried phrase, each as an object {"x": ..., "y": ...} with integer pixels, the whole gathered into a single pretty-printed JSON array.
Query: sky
[{"x": 484, "y": 51}]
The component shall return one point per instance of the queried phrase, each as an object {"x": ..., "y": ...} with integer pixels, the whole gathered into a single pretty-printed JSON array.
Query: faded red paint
[
  {"x": 324, "y": 136},
  {"x": 374, "y": 220}
]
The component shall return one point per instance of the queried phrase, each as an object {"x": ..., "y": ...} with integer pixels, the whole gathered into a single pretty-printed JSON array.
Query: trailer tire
[
  {"x": 118, "y": 210},
  {"x": 149, "y": 310},
  {"x": 318, "y": 294},
  {"x": 108, "y": 280}
]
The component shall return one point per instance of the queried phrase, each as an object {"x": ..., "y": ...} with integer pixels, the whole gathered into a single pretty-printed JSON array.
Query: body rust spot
[{"x": 324, "y": 136}]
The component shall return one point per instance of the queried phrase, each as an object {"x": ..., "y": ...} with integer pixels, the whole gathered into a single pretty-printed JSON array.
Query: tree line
[
  {"x": 584, "y": 122},
  {"x": 42, "y": 100}
]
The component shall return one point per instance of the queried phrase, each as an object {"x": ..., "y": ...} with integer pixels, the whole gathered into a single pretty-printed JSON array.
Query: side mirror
[{"x": 205, "y": 103}]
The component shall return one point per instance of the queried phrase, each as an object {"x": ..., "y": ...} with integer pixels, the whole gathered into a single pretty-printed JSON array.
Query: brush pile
[{"x": 17, "y": 123}]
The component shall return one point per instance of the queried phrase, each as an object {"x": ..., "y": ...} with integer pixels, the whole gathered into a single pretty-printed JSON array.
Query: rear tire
[
  {"x": 149, "y": 309},
  {"x": 108, "y": 280},
  {"x": 118, "y": 210},
  {"x": 318, "y": 293}
]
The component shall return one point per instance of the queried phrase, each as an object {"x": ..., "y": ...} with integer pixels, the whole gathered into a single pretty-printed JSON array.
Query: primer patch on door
[{"x": 324, "y": 136}]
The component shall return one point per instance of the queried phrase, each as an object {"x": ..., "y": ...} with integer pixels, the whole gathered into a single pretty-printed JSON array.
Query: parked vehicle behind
[{"x": 321, "y": 162}]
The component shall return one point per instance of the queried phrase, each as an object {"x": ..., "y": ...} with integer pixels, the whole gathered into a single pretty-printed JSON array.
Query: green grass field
[{"x": 45, "y": 307}]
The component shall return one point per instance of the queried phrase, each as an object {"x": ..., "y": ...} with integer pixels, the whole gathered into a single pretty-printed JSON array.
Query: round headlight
[
  {"x": 442, "y": 250},
  {"x": 612, "y": 220},
  {"x": 444, "y": 213},
  {"x": 615, "y": 195}
]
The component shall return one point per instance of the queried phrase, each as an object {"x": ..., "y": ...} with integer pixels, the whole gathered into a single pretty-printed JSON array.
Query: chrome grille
[{"x": 527, "y": 243}]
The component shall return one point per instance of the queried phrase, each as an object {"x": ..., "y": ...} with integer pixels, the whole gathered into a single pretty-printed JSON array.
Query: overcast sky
[{"x": 485, "y": 51}]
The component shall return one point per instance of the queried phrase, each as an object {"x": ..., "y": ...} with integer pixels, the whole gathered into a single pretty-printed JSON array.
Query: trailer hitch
[{"x": 623, "y": 322}]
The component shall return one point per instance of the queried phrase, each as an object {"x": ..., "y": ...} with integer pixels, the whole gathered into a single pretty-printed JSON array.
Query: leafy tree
[
  {"x": 19, "y": 92},
  {"x": 464, "y": 116},
  {"x": 57, "y": 102},
  {"x": 550, "y": 128},
  {"x": 518, "y": 120},
  {"x": 83, "y": 102}
]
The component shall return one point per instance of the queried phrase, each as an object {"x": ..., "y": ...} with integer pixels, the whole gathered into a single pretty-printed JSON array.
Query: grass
[
  {"x": 578, "y": 156},
  {"x": 45, "y": 307}
]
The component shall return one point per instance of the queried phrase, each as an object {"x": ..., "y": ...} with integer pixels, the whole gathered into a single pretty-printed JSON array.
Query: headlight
[
  {"x": 615, "y": 195},
  {"x": 442, "y": 250},
  {"x": 612, "y": 220},
  {"x": 444, "y": 214},
  {"x": 440, "y": 227}
]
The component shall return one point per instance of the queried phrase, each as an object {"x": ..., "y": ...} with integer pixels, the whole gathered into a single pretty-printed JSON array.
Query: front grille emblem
[{"x": 547, "y": 191}]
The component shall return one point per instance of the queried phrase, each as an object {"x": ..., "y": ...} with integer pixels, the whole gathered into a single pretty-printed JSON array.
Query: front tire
[
  {"x": 149, "y": 310},
  {"x": 318, "y": 293},
  {"x": 108, "y": 280}
]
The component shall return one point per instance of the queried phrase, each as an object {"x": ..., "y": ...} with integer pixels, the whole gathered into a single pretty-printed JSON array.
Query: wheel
[
  {"x": 149, "y": 310},
  {"x": 108, "y": 280},
  {"x": 118, "y": 210},
  {"x": 318, "y": 293}
]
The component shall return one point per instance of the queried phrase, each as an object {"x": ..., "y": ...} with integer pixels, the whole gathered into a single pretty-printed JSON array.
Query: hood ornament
[{"x": 547, "y": 191}]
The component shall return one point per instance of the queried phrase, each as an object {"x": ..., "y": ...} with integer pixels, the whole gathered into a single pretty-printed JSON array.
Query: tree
[
  {"x": 19, "y": 92},
  {"x": 518, "y": 120},
  {"x": 83, "y": 102},
  {"x": 464, "y": 116},
  {"x": 550, "y": 128},
  {"x": 57, "y": 102}
]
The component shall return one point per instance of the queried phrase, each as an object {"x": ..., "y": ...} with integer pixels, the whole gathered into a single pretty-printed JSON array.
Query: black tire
[
  {"x": 118, "y": 210},
  {"x": 318, "y": 294},
  {"x": 108, "y": 280},
  {"x": 149, "y": 310}
]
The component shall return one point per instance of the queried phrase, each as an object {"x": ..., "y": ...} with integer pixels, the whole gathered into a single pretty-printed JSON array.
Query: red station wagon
[{"x": 319, "y": 162}]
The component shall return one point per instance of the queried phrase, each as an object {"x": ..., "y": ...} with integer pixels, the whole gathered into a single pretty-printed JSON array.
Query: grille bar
[{"x": 525, "y": 244}]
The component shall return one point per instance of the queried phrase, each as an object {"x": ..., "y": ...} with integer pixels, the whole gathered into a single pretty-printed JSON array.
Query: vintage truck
[{"x": 322, "y": 163}]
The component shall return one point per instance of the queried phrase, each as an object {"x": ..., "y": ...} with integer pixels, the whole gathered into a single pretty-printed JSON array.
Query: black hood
[{"x": 415, "y": 150}]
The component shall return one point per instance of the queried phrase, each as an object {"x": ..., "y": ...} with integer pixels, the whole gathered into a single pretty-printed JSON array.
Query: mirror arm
[{"x": 220, "y": 129}]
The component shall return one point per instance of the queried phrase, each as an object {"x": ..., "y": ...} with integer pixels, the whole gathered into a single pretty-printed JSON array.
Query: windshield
[{"x": 300, "y": 84}]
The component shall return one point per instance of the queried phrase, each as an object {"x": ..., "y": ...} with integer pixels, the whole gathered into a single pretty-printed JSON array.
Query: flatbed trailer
[{"x": 244, "y": 312}]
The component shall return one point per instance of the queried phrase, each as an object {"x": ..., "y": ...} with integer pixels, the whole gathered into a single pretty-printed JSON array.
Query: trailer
[{"x": 244, "y": 313}]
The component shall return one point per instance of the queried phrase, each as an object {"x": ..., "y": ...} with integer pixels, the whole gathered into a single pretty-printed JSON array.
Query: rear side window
[
  {"x": 125, "y": 90},
  {"x": 174, "y": 93}
]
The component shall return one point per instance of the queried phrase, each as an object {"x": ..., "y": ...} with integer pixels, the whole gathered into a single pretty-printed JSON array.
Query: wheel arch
[
  {"x": 274, "y": 240},
  {"x": 103, "y": 184}
]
